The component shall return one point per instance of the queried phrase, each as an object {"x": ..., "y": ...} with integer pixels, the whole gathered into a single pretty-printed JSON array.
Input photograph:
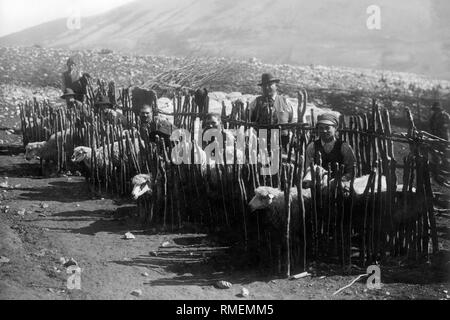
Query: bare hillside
[{"x": 414, "y": 36}]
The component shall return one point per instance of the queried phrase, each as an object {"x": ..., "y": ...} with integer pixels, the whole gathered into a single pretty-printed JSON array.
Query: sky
[{"x": 16, "y": 15}]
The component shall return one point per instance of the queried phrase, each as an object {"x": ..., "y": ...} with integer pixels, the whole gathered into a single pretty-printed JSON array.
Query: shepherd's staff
[
  {"x": 222, "y": 190},
  {"x": 350, "y": 221},
  {"x": 288, "y": 174},
  {"x": 380, "y": 243},
  {"x": 360, "y": 150},
  {"x": 301, "y": 204},
  {"x": 97, "y": 175},
  {"x": 243, "y": 203},
  {"x": 329, "y": 207},
  {"x": 430, "y": 207},
  {"x": 420, "y": 201},
  {"x": 319, "y": 193},
  {"x": 368, "y": 143},
  {"x": 342, "y": 214},
  {"x": 313, "y": 210},
  {"x": 371, "y": 247},
  {"x": 366, "y": 206}
]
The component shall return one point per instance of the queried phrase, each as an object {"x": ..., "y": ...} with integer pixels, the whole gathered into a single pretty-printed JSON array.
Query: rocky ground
[
  {"x": 44, "y": 220},
  {"x": 343, "y": 89}
]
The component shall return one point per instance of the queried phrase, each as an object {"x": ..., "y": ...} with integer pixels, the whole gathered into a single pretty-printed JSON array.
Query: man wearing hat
[
  {"x": 69, "y": 96},
  {"x": 272, "y": 108},
  {"x": 331, "y": 149},
  {"x": 102, "y": 103}
]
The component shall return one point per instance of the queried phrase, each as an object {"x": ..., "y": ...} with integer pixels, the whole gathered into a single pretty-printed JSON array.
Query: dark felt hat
[
  {"x": 268, "y": 78},
  {"x": 68, "y": 93},
  {"x": 327, "y": 118},
  {"x": 103, "y": 101}
]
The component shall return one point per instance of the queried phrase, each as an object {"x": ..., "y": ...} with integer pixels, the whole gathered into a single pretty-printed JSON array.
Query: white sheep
[
  {"x": 359, "y": 185},
  {"x": 84, "y": 154},
  {"x": 273, "y": 202},
  {"x": 142, "y": 184}
]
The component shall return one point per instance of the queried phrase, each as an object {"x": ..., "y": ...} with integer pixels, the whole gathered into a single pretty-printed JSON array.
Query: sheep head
[
  {"x": 80, "y": 154},
  {"x": 141, "y": 184},
  {"x": 32, "y": 150},
  {"x": 263, "y": 198}
]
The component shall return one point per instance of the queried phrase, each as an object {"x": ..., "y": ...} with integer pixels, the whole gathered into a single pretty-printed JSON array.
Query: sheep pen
[{"x": 327, "y": 222}]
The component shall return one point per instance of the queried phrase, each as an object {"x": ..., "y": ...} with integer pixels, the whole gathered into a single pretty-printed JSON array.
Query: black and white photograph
[{"x": 224, "y": 155}]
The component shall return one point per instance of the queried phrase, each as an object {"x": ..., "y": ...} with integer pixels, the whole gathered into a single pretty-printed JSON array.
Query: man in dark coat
[
  {"x": 158, "y": 125},
  {"x": 331, "y": 149},
  {"x": 73, "y": 79}
]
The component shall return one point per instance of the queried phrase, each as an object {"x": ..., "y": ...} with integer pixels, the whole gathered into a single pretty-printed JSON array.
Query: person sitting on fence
[
  {"x": 271, "y": 107},
  {"x": 440, "y": 127},
  {"x": 154, "y": 126},
  {"x": 332, "y": 150}
]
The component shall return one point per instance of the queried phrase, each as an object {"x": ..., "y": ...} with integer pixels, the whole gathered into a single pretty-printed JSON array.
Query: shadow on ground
[
  {"x": 61, "y": 191},
  {"x": 102, "y": 220},
  {"x": 19, "y": 170},
  {"x": 199, "y": 260}
]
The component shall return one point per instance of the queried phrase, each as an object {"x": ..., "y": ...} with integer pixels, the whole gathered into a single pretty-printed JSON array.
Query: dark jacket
[{"x": 269, "y": 111}]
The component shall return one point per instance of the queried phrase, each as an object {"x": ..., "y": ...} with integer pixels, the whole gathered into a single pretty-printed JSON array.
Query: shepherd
[
  {"x": 271, "y": 107},
  {"x": 329, "y": 148}
]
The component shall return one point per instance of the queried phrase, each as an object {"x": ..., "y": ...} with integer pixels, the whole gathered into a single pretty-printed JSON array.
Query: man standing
[
  {"x": 332, "y": 150},
  {"x": 272, "y": 108}
]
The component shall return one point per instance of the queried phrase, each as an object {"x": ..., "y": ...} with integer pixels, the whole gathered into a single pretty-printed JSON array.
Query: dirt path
[{"x": 63, "y": 219}]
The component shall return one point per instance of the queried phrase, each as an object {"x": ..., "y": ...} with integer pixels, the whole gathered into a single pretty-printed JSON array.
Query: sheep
[
  {"x": 273, "y": 202},
  {"x": 359, "y": 184},
  {"x": 142, "y": 184},
  {"x": 323, "y": 175},
  {"x": 35, "y": 150},
  {"x": 48, "y": 150},
  {"x": 272, "y": 199},
  {"x": 84, "y": 154}
]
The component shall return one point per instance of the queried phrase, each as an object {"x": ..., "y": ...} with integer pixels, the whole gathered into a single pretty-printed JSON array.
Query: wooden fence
[{"x": 333, "y": 224}]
